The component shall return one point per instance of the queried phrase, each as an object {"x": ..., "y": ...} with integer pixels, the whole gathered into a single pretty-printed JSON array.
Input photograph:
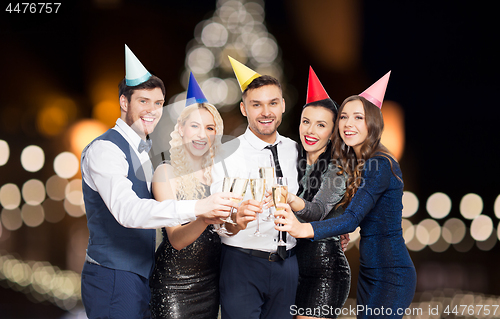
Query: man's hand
[
  {"x": 215, "y": 206},
  {"x": 246, "y": 213}
]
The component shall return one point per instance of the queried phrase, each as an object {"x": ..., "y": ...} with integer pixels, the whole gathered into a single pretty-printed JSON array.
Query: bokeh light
[
  {"x": 73, "y": 192},
  {"x": 32, "y": 158},
  {"x": 32, "y": 216},
  {"x": 200, "y": 60},
  {"x": 393, "y": 136},
  {"x": 264, "y": 50},
  {"x": 66, "y": 165},
  {"x": 107, "y": 112},
  {"x": 471, "y": 206},
  {"x": 438, "y": 205},
  {"x": 216, "y": 90},
  {"x": 454, "y": 230},
  {"x": 465, "y": 244},
  {"x": 496, "y": 207},
  {"x": 489, "y": 243},
  {"x": 481, "y": 227},
  {"x": 11, "y": 219},
  {"x": 440, "y": 246},
  {"x": 56, "y": 187},
  {"x": 74, "y": 210},
  {"x": 84, "y": 132},
  {"x": 415, "y": 244},
  {"x": 33, "y": 192},
  {"x": 4, "y": 152},
  {"x": 54, "y": 210},
  {"x": 214, "y": 35},
  {"x": 10, "y": 196},
  {"x": 428, "y": 231},
  {"x": 55, "y": 115},
  {"x": 408, "y": 230},
  {"x": 410, "y": 204}
]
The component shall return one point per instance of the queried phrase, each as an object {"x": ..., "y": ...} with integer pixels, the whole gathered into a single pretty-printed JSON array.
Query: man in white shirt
[
  {"x": 121, "y": 214},
  {"x": 255, "y": 281}
]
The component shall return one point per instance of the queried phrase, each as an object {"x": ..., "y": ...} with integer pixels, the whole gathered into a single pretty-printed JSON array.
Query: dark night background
[{"x": 444, "y": 61}]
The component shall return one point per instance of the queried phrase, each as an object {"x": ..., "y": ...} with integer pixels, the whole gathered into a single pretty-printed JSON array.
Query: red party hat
[
  {"x": 315, "y": 90},
  {"x": 376, "y": 92}
]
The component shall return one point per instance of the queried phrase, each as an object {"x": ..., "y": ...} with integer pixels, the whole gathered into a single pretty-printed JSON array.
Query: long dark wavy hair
[
  {"x": 321, "y": 164},
  {"x": 345, "y": 156}
]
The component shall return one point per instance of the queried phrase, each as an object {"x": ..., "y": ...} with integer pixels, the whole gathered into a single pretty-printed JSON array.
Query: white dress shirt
[
  {"x": 242, "y": 156},
  {"x": 105, "y": 170}
]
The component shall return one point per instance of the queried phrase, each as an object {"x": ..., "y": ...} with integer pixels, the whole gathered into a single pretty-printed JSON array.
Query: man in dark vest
[{"x": 121, "y": 214}]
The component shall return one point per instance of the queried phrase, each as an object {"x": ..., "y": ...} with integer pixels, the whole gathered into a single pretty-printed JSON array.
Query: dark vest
[{"x": 111, "y": 244}]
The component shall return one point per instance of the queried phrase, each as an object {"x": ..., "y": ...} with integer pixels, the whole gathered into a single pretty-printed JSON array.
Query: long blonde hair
[{"x": 188, "y": 186}]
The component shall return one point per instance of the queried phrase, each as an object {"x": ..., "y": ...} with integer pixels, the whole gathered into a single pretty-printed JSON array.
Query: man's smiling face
[
  {"x": 143, "y": 111},
  {"x": 263, "y": 108}
]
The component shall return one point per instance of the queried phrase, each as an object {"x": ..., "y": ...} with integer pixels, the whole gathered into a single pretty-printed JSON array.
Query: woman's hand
[
  {"x": 268, "y": 198},
  {"x": 289, "y": 223}
]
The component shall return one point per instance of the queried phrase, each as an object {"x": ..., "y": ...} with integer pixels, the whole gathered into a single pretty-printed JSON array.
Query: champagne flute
[
  {"x": 280, "y": 193},
  {"x": 268, "y": 173},
  {"x": 239, "y": 187},
  {"x": 226, "y": 187},
  {"x": 258, "y": 188}
]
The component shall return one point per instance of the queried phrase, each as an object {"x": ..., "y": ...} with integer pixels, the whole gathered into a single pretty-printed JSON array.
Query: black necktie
[
  {"x": 144, "y": 145},
  {"x": 274, "y": 150}
]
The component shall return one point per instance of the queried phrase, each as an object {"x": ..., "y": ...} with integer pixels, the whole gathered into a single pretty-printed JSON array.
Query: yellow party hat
[{"x": 244, "y": 74}]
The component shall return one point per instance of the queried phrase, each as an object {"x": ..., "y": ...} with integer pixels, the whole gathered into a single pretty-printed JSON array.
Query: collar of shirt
[
  {"x": 129, "y": 134},
  {"x": 256, "y": 142},
  {"x": 133, "y": 140}
]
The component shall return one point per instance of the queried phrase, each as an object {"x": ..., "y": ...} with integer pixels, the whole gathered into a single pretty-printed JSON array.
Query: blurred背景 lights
[
  {"x": 471, "y": 206},
  {"x": 32, "y": 158},
  {"x": 66, "y": 165},
  {"x": 454, "y": 230},
  {"x": 481, "y": 227},
  {"x": 10, "y": 196},
  {"x": 32, "y": 216},
  {"x": 83, "y": 132},
  {"x": 56, "y": 187},
  {"x": 11, "y": 218},
  {"x": 410, "y": 204},
  {"x": 4, "y": 152},
  {"x": 33, "y": 192},
  {"x": 438, "y": 205}
]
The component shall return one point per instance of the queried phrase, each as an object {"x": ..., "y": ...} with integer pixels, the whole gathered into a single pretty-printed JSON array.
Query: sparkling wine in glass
[
  {"x": 226, "y": 187},
  {"x": 268, "y": 173},
  {"x": 258, "y": 188},
  {"x": 280, "y": 193}
]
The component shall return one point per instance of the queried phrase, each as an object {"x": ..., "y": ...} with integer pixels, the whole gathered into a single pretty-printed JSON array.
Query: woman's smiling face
[
  {"x": 198, "y": 132},
  {"x": 316, "y": 127}
]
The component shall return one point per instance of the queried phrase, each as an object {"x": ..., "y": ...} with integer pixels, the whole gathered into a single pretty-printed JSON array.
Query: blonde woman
[{"x": 185, "y": 281}]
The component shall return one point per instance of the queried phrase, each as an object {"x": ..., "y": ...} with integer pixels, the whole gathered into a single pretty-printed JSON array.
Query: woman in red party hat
[
  {"x": 324, "y": 273},
  {"x": 373, "y": 201}
]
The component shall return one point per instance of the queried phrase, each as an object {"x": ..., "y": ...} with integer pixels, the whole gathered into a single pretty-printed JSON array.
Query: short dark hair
[
  {"x": 260, "y": 82},
  {"x": 152, "y": 83}
]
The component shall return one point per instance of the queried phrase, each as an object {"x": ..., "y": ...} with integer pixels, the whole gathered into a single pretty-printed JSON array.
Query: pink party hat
[{"x": 376, "y": 92}]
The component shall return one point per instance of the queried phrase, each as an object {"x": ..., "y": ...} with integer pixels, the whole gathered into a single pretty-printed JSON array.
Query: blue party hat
[{"x": 194, "y": 92}]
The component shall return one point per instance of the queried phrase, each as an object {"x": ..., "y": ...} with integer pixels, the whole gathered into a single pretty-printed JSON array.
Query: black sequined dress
[
  {"x": 185, "y": 283},
  {"x": 324, "y": 272}
]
